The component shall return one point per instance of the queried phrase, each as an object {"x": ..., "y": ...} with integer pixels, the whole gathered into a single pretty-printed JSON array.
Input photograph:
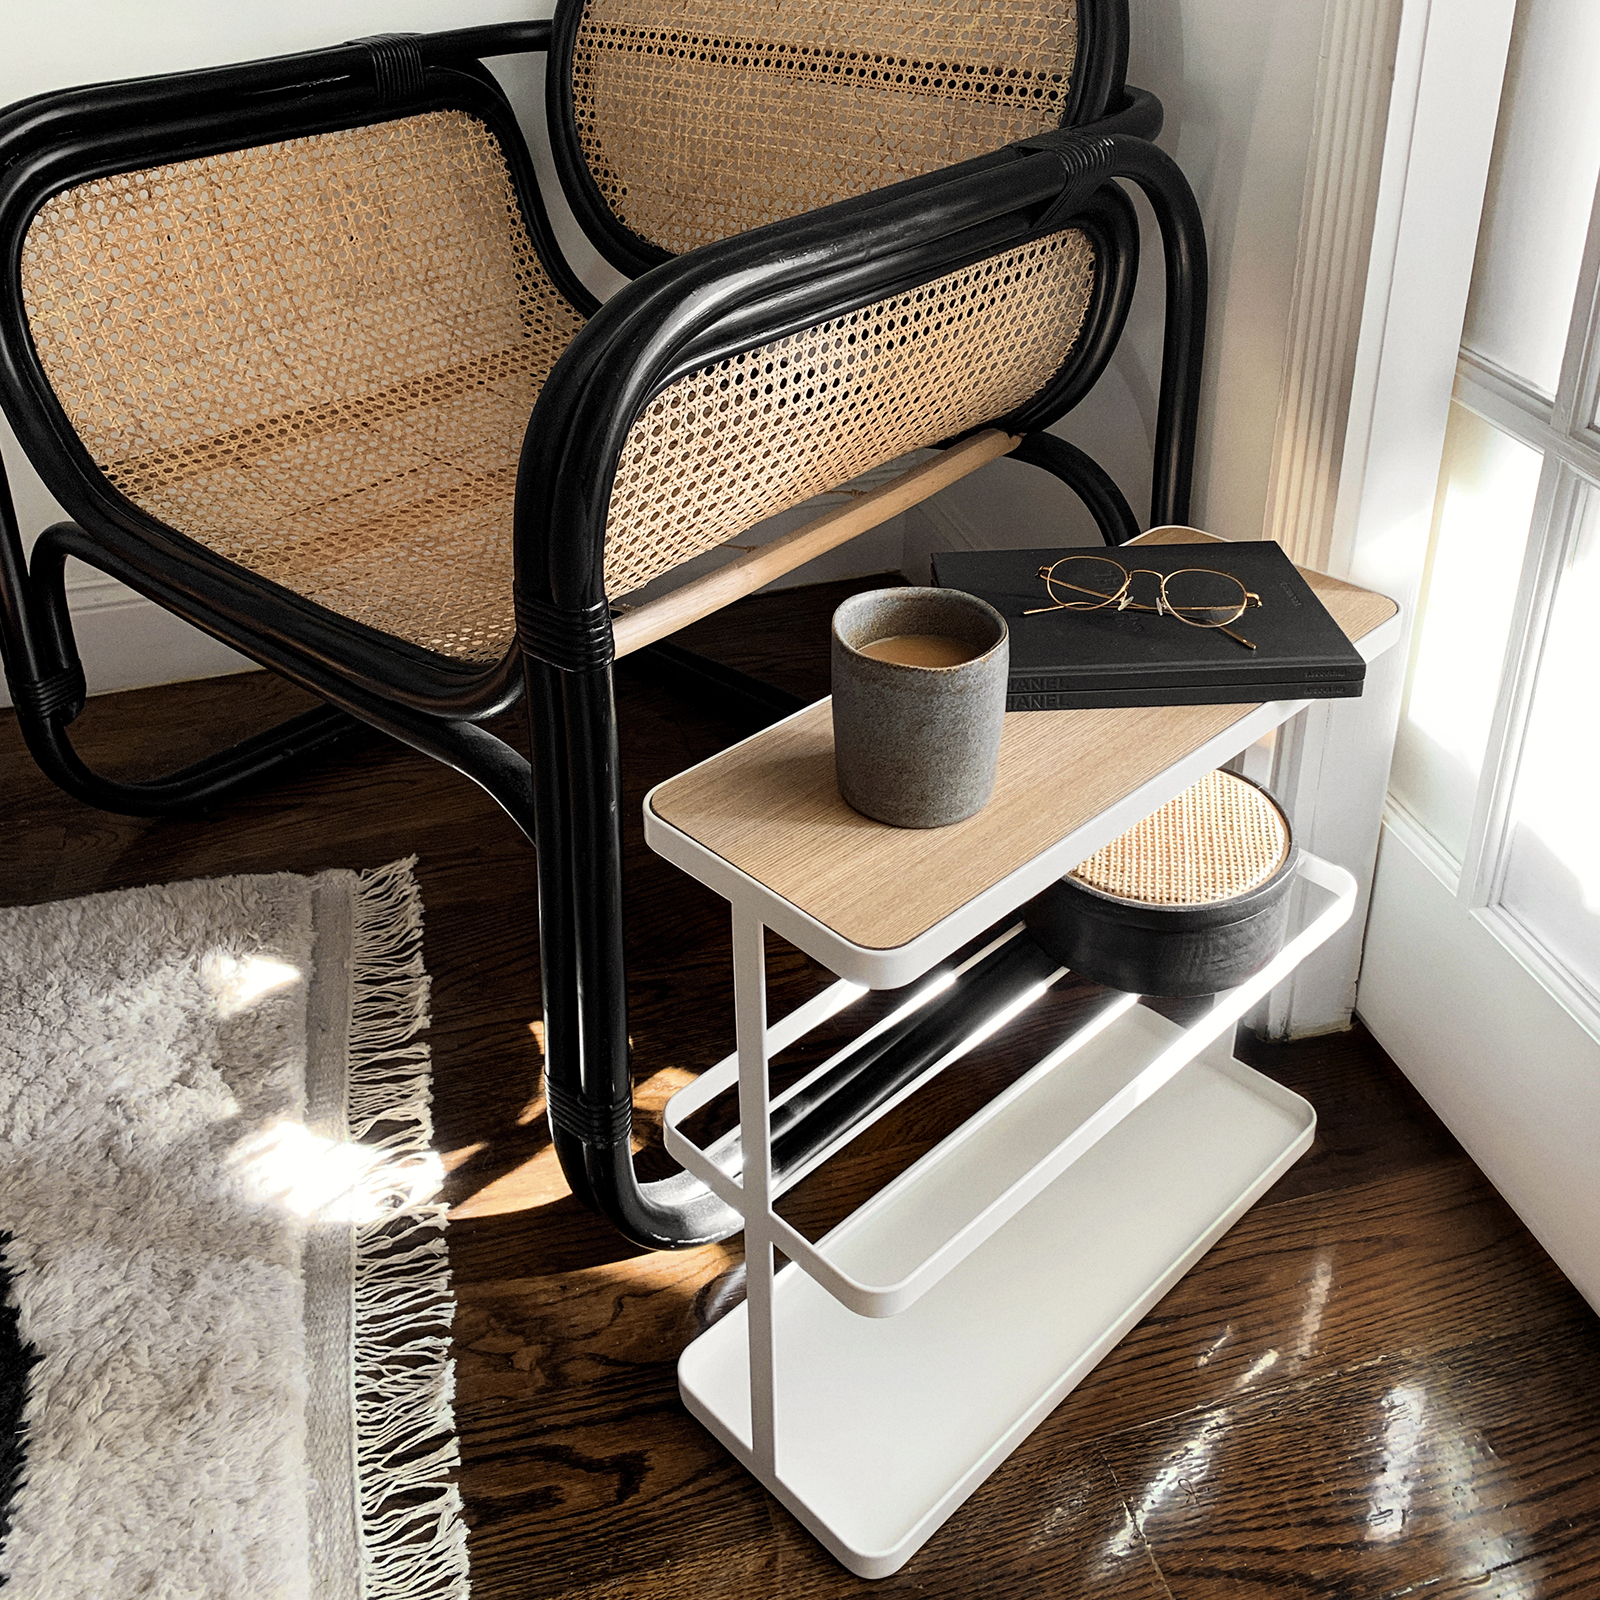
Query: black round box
[{"x": 1178, "y": 939}]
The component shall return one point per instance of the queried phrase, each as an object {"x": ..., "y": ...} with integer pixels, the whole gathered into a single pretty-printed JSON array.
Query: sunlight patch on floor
[
  {"x": 235, "y": 986},
  {"x": 537, "y": 1181},
  {"x": 329, "y": 1180}
]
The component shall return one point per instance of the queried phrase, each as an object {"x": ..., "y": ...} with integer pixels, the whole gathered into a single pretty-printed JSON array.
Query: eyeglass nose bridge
[{"x": 1124, "y": 595}]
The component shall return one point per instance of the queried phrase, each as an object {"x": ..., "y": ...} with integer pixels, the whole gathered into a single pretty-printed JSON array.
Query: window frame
[{"x": 1566, "y": 432}]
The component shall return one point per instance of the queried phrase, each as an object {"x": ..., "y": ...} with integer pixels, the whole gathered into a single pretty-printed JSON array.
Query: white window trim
[
  {"x": 1562, "y": 429},
  {"x": 1332, "y": 768}
]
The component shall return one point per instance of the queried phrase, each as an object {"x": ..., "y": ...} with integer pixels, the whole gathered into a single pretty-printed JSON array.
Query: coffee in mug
[
  {"x": 920, "y": 650},
  {"x": 919, "y": 699}
]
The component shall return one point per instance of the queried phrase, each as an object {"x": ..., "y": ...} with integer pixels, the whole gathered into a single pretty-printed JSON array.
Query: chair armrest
[
  {"x": 491, "y": 39},
  {"x": 705, "y": 316},
  {"x": 1138, "y": 113},
  {"x": 1183, "y": 341},
  {"x": 32, "y": 120}
]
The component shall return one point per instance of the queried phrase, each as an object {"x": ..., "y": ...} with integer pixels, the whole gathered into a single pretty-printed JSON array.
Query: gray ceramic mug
[{"x": 917, "y": 746}]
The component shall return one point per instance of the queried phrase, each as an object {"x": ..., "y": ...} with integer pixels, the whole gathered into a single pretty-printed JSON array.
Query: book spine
[
  {"x": 1215, "y": 695},
  {"x": 1090, "y": 679}
]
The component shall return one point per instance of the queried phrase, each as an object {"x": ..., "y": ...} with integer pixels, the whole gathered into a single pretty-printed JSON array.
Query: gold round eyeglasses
[{"x": 1196, "y": 596}]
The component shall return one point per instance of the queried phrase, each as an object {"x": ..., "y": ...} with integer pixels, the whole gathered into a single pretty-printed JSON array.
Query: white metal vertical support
[{"x": 755, "y": 1133}]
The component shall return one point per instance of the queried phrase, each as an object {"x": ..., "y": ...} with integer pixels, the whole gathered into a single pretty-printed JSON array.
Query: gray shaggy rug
[{"x": 224, "y": 1346}]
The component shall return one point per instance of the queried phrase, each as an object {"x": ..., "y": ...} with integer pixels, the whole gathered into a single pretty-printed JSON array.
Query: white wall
[{"x": 1238, "y": 81}]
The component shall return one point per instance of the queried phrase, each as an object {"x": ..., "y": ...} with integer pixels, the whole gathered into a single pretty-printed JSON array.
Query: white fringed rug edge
[
  {"x": 381, "y": 1378},
  {"x": 339, "y": 1141}
]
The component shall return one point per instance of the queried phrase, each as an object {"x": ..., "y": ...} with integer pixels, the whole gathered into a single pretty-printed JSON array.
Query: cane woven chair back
[
  {"x": 316, "y": 358},
  {"x": 706, "y": 118},
  {"x": 749, "y": 436}
]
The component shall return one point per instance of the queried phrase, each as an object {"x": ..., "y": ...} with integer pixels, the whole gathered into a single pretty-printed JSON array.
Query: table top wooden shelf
[{"x": 766, "y": 815}]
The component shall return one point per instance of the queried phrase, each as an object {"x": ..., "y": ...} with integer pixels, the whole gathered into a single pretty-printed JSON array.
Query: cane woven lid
[{"x": 1218, "y": 840}]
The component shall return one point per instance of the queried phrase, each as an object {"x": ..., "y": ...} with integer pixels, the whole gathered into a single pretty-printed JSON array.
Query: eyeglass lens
[
  {"x": 1203, "y": 598},
  {"x": 1196, "y": 595},
  {"x": 1085, "y": 582}
]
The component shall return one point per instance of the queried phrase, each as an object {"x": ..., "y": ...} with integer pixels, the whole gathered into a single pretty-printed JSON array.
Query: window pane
[
  {"x": 1541, "y": 187},
  {"x": 1487, "y": 484},
  {"x": 1552, "y": 883}
]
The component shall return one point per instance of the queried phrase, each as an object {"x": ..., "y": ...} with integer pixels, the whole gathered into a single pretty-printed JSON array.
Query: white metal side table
[{"x": 998, "y": 1269}]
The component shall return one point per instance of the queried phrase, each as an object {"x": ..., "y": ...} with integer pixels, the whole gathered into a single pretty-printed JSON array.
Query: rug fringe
[{"x": 413, "y": 1538}]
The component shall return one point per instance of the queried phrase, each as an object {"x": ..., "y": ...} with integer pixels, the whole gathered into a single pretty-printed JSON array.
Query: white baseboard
[{"x": 128, "y": 642}]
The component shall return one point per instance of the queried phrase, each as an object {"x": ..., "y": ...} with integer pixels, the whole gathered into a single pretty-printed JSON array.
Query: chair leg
[
  {"x": 252, "y": 761},
  {"x": 588, "y": 1081},
  {"x": 1183, "y": 244},
  {"x": 45, "y": 678},
  {"x": 588, "y": 1077}
]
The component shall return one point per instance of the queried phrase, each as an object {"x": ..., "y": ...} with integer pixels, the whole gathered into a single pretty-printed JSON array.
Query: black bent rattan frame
[{"x": 726, "y": 298}]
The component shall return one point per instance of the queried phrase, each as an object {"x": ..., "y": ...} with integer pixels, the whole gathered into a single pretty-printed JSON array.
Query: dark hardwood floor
[{"x": 1377, "y": 1385}]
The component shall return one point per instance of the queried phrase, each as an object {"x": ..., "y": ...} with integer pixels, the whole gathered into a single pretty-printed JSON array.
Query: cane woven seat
[
  {"x": 318, "y": 359},
  {"x": 1219, "y": 839},
  {"x": 710, "y": 117}
]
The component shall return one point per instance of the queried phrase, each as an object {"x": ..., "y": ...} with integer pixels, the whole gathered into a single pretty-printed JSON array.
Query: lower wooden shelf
[{"x": 884, "y": 1426}]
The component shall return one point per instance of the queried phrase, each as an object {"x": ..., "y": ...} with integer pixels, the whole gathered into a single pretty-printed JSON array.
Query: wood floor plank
[
  {"x": 1369, "y": 1122},
  {"x": 1563, "y": 1570},
  {"x": 1391, "y": 1478},
  {"x": 526, "y": 1338},
  {"x": 681, "y": 1520},
  {"x": 1379, "y": 1322},
  {"x": 1428, "y": 1261}
]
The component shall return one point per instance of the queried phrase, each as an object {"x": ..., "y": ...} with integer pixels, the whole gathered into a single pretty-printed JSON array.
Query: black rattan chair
[{"x": 293, "y": 344}]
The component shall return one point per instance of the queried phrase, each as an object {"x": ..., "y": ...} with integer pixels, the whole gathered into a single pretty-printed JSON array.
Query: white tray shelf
[
  {"x": 1092, "y": 1185},
  {"x": 875, "y": 1444}
]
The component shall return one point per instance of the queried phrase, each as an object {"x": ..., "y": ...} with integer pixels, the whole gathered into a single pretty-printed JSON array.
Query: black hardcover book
[{"x": 1065, "y": 660}]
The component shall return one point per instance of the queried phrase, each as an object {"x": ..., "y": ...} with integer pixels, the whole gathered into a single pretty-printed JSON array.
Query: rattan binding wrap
[
  {"x": 317, "y": 358},
  {"x": 757, "y": 433},
  {"x": 711, "y": 117},
  {"x": 1216, "y": 841}
]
